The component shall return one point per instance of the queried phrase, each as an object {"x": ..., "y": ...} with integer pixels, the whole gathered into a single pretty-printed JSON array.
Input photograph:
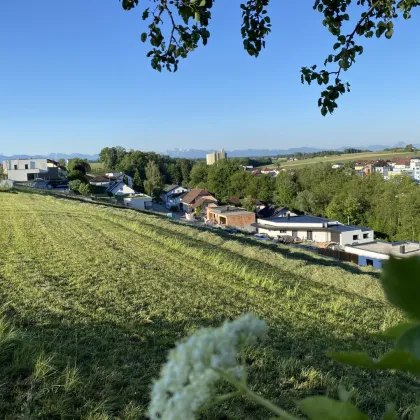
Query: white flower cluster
[{"x": 186, "y": 380}]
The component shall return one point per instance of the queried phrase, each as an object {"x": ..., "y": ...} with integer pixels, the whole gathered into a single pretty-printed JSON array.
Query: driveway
[{"x": 160, "y": 208}]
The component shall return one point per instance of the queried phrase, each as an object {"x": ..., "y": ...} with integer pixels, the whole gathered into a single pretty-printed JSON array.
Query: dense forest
[{"x": 391, "y": 208}]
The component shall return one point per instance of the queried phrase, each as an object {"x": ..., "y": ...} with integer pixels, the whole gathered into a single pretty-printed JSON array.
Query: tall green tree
[
  {"x": 78, "y": 164},
  {"x": 286, "y": 189},
  {"x": 112, "y": 156},
  {"x": 239, "y": 181},
  {"x": 153, "y": 184},
  {"x": 137, "y": 181},
  {"x": 219, "y": 178},
  {"x": 199, "y": 175},
  {"x": 349, "y": 21},
  {"x": 185, "y": 165},
  {"x": 175, "y": 174}
]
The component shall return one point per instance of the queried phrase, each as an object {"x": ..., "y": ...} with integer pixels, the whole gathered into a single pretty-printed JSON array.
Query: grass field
[
  {"x": 94, "y": 297},
  {"x": 343, "y": 158},
  {"x": 97, "y": 168}
]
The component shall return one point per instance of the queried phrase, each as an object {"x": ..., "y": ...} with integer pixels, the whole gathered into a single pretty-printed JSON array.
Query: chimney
[
  {"x": 402, "y": 249},
  {"x": 288, "y": 216}
]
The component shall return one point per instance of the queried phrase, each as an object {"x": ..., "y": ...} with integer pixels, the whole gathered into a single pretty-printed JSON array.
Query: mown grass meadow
[{"x": 93, "y": 297}]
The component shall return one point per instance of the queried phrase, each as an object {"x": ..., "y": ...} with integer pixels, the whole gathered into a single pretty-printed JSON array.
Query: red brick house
[{"x": 230, "y": 216}]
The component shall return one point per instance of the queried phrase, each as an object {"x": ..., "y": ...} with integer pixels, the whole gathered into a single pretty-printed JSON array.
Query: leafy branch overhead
[{"x": 187, "y": 22}]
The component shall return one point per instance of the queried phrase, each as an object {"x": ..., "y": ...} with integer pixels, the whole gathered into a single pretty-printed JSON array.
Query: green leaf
[
  {"x": 401, "y": 282},
  {"x": 410, "y": 341},
  {"x": 324, "y": 408},
  {"x": 143, "y": 37},
  {"x": 393, "y": 360},
  {"x": 397, "y": 330},
  {"x": 399, "y": 360},
  {"x": 353, "y": 359}
]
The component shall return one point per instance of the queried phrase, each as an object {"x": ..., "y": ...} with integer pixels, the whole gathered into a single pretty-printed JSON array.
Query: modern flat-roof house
[
  {"x": 231, "y": 216},
  {"x": 376, "y": 252},
  {"x": 197, "y": 197},
  {"x": 172, "y": 194},
  {"x": 316, "y": 229},
  {"x": 139, "y": 202},
  {"x": 23, "y": 170}
]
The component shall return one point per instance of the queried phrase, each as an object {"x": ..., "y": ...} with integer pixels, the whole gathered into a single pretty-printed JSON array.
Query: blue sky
[{"x": 74, "y": 78}]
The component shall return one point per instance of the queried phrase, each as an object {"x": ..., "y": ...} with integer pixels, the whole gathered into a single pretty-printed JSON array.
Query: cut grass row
[{"x": 97, "y": 296}]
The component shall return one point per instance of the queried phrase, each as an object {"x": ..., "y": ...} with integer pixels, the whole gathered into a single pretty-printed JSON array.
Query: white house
[
  {"x": 139, "y": 202},
  {"x": 415, "y": 167},
  {"x": 23, "y": 170},
  {"x": 171, "y": 195},
  {"x": 376, "y": 252},
  {"x": 316, "y": 229},
  {"x": 119, "y": 188},
  {"x": 385, "y": 171},
  {"x": 337, "y": 165}
]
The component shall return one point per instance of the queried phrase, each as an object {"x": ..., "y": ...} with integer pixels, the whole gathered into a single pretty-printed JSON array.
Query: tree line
[{"x": 391, "y": 208}]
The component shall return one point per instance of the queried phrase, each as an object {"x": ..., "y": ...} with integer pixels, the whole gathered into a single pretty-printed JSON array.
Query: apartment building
[{"x": 214, "y": 157}]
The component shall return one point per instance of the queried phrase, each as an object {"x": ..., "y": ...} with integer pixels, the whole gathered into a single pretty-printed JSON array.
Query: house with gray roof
[{"x": 316, "y": 229}]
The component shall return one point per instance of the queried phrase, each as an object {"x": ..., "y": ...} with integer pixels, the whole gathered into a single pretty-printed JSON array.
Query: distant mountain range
[
  {"x": 199, "y": 154},
  {"x": 53, "y": 156}
]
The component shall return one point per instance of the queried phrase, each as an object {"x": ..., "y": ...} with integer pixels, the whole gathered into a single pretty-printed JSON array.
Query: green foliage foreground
[
  {"x": 187, "y": 384},
  {"x": 93, "y": 299}
]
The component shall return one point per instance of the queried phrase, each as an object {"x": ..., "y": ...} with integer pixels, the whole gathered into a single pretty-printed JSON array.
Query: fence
[{"x": 339, "y": 255}]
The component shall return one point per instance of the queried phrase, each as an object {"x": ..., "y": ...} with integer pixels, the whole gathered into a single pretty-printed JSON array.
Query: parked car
[{"x": 260, "y": 237}]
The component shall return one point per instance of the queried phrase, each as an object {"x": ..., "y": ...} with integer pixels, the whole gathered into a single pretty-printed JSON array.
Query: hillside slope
[
  {"x": 352, "y": 157},
  {"x": 98, "y": 295}
]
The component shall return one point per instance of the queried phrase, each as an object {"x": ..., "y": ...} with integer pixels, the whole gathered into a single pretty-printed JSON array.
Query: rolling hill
[{"x": 94, "y": 297}]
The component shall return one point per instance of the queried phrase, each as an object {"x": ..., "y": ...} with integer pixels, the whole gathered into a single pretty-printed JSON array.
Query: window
[
  {"x": 26, "y": 166},
  {"x": 309, "y": 235},
  {"x": 365, "y": 235},
  {"x": 294, "y": 233},
  {"x": 369, "y": 262},
  {"x": 282, "y": 231},
  {"x": 31, "y": 177},
  {"x": 355, "y": 237},
  {"x": 15, "y": 167}
]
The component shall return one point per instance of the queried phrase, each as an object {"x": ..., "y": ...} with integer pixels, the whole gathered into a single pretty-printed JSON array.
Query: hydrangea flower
[{"x": 187, "y": 379}]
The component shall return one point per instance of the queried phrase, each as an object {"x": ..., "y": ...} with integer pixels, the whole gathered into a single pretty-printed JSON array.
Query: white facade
[
  {"x": 172, "y": 196},
  {"x": 143, "y": 202},
  {"x": 315, "y": 229},
  {"x": 385, "y": 171},
  {"x": 376, "y": 252},
  {"x": 25, "y": 169},
  {"x": 415, "y": 167},
  {"x": 121, "y": 189},
  {"x": 214, "y": 157}
]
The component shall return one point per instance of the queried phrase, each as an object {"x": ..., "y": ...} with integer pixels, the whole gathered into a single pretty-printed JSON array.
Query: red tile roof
[{"x": 193, "y": 195}]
